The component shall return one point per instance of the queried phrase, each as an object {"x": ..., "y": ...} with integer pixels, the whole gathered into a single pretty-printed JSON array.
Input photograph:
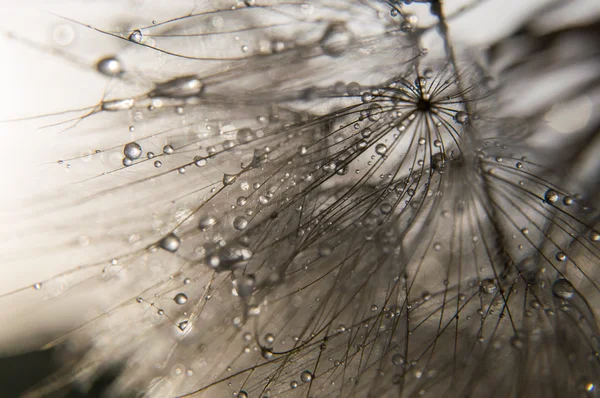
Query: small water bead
[
  {"x": 150, "y": 155},
  {"x": 200, "y": 162},
  {"x": 324, "y": 249},
  {"x": 398, "y": 360},
  {"x": 267, "y": 353},
  {"x": 132, "y": 150},
  {"x": 180, "y": 87},
  {"x": 560, "y": 256},
  {"x": 461, "y": 117},
  {"x": 118, "y": 105},
  {"x": 568, "y": 200},
  {"x": 242, "y": 394},
  {"x": 360, "y": 145},
  {"x": 406, "y": 27},
  {"x": 240, "y": 223},
  {"x": 187, "y": 281},
  {"x": 127, "y": 162},
  {"x": 551, "y": 196},
  {"x": 136, "y": 36},
  {"x": 488, "y": 286},
  {"x": 385, "y": 208},
  {"x": 229, "y": 179},
  {"x": 269, "y": 338},
  {"x": 562, "y": 288},
  {"x": 158, "y": 164},
  {"x": 168, "y": 150},
  {"x": 336, "y": 40},
  {"x": 306, "y": 376},
  {"x": 294, "y": 384},
  {"x": 381, "y": 149},
  {"x": 170, "y": 242},
  {"x": 37, "y": 286},
  {"x": 595, "y": 236},
  {"x": 366, "y": 97},
  {"x": 161, "y": 311},
  {"x": 110, "y": 66},
  {"x": 206, "y": 223},
  {"x": 181, "y": 298}
]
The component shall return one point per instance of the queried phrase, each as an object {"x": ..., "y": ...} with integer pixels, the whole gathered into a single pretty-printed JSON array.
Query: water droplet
[
  {"x": 180, "y": 87},
  {"x": 324, "y": 249},
  {"x": 136, "y": 36},
  {"x": 398, "y": 360},
  {"x": 157, "y": 164},
  {"x": 336, "y": 40},
  {"x": 306, "y": 376},
  {"x": 269, "y": 338},
  {"x": 461, "y": 117},
  {"x": 37, "y": 286},
  {"x": 170, "y": 243},
  {"x": 242, "y": 394},
  {"x": 385, "y": 208},
  {"x": 240, "y": 223},
  {"x": 353, "y": 89},
  {"x": 560, "y": 256},
  {"x": 127, "y": 162},
  {"x": 118, "y": 105},
  {"x": 168, "y": 150},
  {"x": 488, "y": 286},
  {"x": 551, "y": 196},
  {"x": 406, "y": 26},
  {"x": 180, "y": 298},
  {"x": 206, "y": 223},
  {"x": 200, "y": 162},
  {"x": 562, "y": 288},
  {"x": 381, "y": 149},
  {"x": 294, "y": 384},
  {"x": 132, "y": 150},
  {"x": 110, "y": 66},
  {"x": 229, "y": 179},
  {"x": 183, "y": 325}
]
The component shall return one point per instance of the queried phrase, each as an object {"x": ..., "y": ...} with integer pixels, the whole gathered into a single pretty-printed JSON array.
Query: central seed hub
[{"x": 423, "y": 105}]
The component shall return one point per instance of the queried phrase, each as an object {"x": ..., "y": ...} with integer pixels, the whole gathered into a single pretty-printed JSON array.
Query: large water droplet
[
  {"x": 170, "y": 242},
  {"x": 110, "y": 66},
  {"x": 132, "y": 150},
  {"x": 180, "y": 87},
  {"x": 562, "y": 288},
  {"x": 551, "y": 196},
  {"x": 336, "y": 40},
  {"x": 461, "y": 117},
  {"x": 240, "y": 223},
  {"x": 306, "y": 376},
  {"x": 381, "y": 149},
  {"x": 181, "y": 298},
  {"x": 136, "y": 36}
]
